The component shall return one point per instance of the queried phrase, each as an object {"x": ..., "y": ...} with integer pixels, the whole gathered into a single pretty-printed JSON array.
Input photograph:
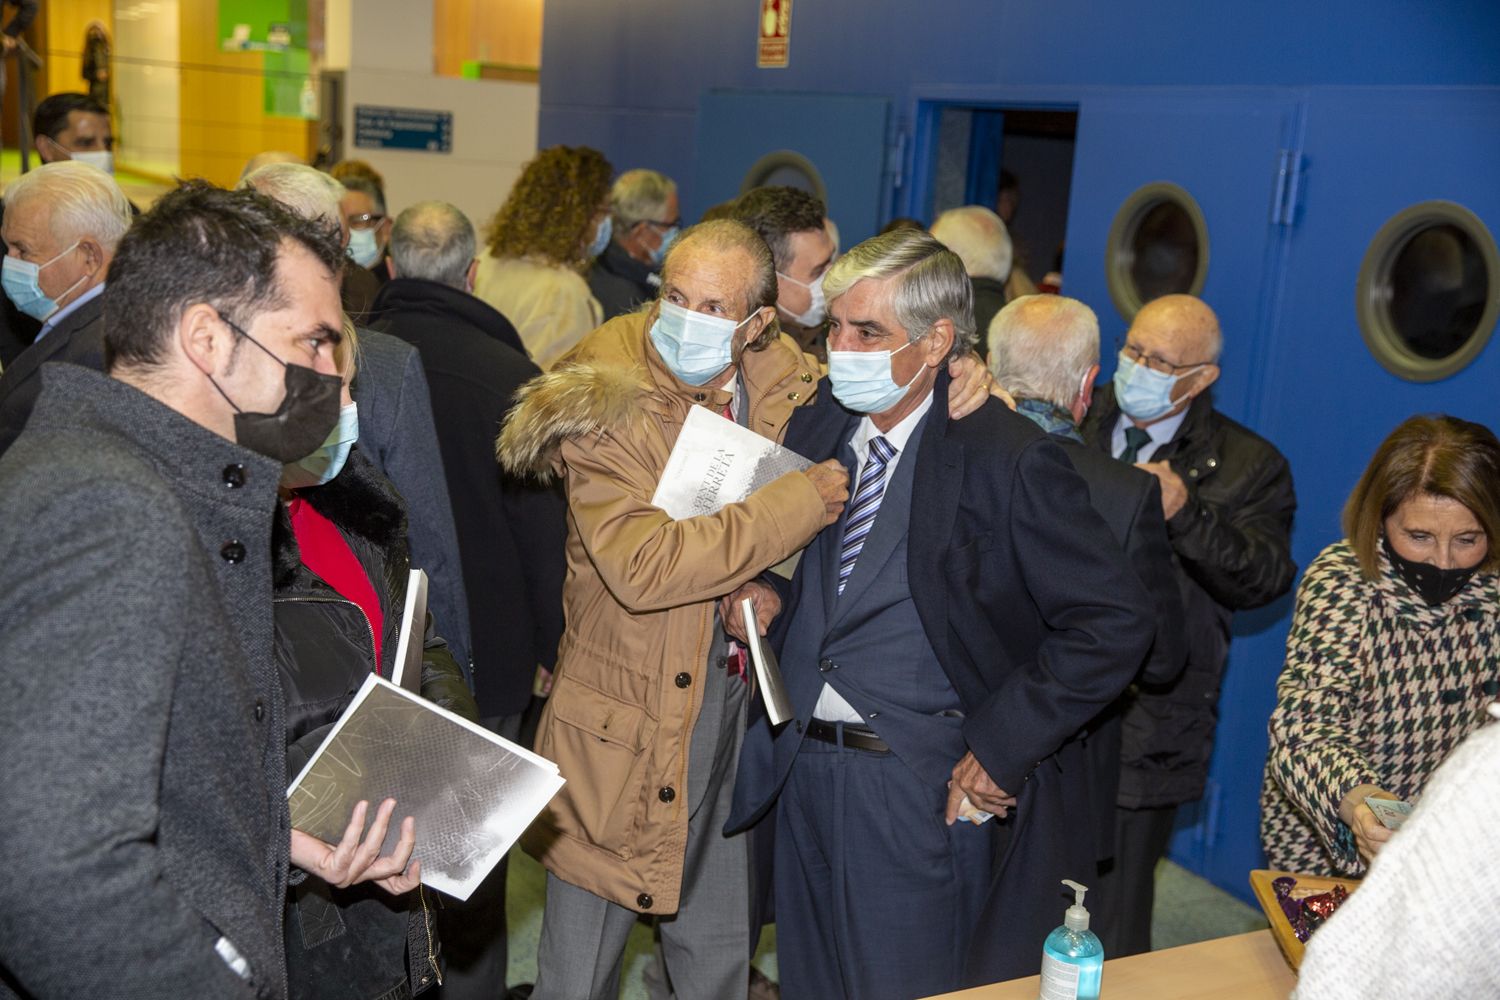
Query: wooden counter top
[{"x": 1242, "y": 967}]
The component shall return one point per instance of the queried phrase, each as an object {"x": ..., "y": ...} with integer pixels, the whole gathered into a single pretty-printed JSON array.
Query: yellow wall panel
[
  {"x": 223, "y": 121},
  {"x": 493, "y": 31},
  {"x": 65, "y": 26}
]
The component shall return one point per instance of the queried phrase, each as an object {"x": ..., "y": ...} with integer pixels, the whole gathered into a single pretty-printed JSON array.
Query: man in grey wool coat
[{"x": 145, "y": 825}]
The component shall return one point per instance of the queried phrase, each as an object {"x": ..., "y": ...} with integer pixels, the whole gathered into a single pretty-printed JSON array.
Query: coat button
[
  {"x": 667, "y": 794},
  {"x": 794, "y": 396},
  {"x": 644, "y": 901},
  {"x": 807, "y": 376},
  {"x": 260, "y": 710},
  {"x": 234, "y": 476},
  {"x": 683, "y": 679},
  {"x": 825, "y": 665},
  {"x": 1452, "y": 696},
  {"x": 1492, "y": 688},
  {"x": 232, "y": 552},
  {"x": 700, "y": 396},
  {"x": 723, "y": 662},
  {"x": 799, "y": 725}
]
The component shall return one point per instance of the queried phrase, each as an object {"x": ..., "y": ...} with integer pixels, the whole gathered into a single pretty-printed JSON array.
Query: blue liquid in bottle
[{"x": 1072, "y": 956}]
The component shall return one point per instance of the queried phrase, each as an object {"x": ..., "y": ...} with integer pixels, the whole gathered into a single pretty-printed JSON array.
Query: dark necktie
[{"x": 1135, "y": 439}]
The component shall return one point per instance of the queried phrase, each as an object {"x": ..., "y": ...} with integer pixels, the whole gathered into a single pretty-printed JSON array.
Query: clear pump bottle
[{"x": 1072, "y": 957}]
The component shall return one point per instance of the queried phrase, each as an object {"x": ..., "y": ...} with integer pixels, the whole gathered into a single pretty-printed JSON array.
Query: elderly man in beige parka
[{"x": 647, "y": 710}]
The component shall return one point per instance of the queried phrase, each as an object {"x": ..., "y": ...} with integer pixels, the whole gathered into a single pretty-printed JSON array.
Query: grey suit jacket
[
  {"x": 141, "y": 725},
  {"x": 397, "y": 433}
]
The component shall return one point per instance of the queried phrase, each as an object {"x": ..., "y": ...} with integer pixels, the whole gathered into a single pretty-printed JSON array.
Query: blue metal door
[
  {"x": 1224, "y": 149},
  {"x": 844, "y": 138}
]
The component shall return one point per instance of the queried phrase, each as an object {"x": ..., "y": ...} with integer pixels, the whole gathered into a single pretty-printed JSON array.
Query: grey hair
[
  {"x": 1041, "y": 346},
  {"x": 435, "y": 241},
  {"x": 931, "y": 283},
  {"x": 980, "y": 239},
  {"x": 640, "y": 196},
  {"x": 305, "y": 190},
  {"x": 85, "y": 201}
]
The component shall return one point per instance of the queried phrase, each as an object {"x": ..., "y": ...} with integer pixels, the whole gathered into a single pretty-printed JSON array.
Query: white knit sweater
[{"x": 1423, "y": 924}]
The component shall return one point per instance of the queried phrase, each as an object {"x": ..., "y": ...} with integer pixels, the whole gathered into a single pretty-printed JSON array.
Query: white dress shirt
[
  {"x": 58, "y": 316},
  {"x": 831, "y": 706}
]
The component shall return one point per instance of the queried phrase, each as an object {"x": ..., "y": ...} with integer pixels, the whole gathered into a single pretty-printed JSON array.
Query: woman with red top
[{"x": 340, "y": 570}]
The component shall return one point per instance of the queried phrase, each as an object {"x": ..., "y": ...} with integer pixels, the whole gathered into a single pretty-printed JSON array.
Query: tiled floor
[{"x": 1188, "y": 909}]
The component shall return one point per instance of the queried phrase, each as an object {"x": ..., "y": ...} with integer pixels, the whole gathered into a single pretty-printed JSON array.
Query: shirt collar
[
  {"x": 1161, "y": 432},
  {"x": 58, "y": 316},
  {"x": 897, "y": 437}
]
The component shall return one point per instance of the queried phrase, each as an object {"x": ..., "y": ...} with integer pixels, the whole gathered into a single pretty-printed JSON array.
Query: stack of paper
[{"x": 471, "y": 792}]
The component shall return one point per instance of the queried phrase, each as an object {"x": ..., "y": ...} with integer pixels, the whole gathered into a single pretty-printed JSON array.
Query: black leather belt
[{"x": 856, "y": 737}]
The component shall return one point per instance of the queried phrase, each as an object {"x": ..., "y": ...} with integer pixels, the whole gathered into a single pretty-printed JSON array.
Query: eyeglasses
[
  {"x": 366, "y": 220},
  {"x": 659, "y": 224},
  {"x": 1151, "y": 361}
]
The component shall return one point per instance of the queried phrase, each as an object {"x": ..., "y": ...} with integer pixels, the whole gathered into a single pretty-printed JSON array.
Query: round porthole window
[
  {"x": 787, "y": 169},
  {"x": 1158, "y": 245},
  {"x": 1429, "y": 291}
]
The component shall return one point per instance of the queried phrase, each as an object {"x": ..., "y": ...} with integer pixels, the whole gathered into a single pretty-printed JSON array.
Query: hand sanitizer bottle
[{"x": 1072, "y": 957}]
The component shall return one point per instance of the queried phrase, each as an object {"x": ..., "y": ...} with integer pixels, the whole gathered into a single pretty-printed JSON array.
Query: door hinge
[
  {"x": 895, "y": 161},
  {"x": 1287, "y": 187}
]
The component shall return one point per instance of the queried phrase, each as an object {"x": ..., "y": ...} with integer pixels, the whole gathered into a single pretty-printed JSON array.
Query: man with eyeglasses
[
  {"x": 1228, "y": 500},
  {"x": 644, "y": 220}
]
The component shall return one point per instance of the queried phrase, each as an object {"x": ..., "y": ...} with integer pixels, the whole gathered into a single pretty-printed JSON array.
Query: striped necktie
[
  {"x": 866, "y": 502},
  {"x": 1135, "y": 439}
]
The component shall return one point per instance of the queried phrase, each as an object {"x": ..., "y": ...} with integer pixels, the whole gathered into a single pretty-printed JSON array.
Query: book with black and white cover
[
  {"x": 470, "y": 791},
  {"x": 716, "y": 462},
  {"x": 767, "y": 670},
  {"x": 407, "y": 671}
]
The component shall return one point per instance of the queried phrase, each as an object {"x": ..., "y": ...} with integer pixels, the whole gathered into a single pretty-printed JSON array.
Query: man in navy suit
[{"x": 946, "y": 644}]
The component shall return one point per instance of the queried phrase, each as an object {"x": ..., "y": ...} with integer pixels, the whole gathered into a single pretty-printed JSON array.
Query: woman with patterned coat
[{"x": 1394, "y": 650}]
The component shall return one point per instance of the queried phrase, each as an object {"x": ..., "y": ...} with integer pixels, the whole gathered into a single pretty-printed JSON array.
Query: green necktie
[{"x": 1135, "y": 438}]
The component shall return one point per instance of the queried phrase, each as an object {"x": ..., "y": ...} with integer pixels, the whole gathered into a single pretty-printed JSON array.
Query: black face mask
[
  {"x": 300, "y": 425},
  {"x": 1433, "y": 585}
]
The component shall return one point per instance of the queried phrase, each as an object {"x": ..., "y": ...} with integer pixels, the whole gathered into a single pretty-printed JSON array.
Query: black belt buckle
[{"x": 856, "y": 737}]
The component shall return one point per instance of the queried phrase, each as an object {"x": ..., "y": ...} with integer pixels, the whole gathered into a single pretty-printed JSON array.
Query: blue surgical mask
[
  {"x": 20, "y": 279},
  {"x": 694, "y": 345},
  {"x": 863, "y": 382},
  {"x": 325, "y": 463},
  {"x": 1143, "y": 393},
  {"x": 817, "y": 309},
  {"x": 363, "y": 247},
  {"x": 660, "y": 253},
  {"x": 601, "y": 237}
]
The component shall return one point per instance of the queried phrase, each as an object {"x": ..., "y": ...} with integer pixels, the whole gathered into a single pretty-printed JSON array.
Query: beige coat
[{"x": 639, "y": 596}]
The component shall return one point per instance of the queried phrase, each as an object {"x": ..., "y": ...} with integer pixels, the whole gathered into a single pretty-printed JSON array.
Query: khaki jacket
[{"x": 639, "y": 595}]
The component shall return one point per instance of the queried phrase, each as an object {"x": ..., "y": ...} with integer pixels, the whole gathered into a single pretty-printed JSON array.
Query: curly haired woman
[
  {"x": 1394, "y": 650},
  {"x": 541, "y": 241}
]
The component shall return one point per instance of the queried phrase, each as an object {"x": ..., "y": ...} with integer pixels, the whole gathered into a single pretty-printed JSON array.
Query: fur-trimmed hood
[{"x": 574, "y": 399}]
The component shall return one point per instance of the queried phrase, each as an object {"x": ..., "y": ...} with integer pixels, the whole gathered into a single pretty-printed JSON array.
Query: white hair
[
  {"x": 980, "y": 239},
  {"x": 1041, "y": 346},
  {"x": 310, "y": 193},
  {"x": 640, "y": 196},
  {"x": 85, "y": 201},
  {"x": 435, "y": 241},
  {"x": 930, "y": 283}
]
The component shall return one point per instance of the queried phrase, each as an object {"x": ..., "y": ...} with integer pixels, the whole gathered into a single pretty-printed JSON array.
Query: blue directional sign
[{"x": 403, "y": 128}]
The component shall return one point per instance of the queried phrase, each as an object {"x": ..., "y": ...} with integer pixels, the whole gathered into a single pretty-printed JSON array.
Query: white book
[
  {"x": 471, "y": 792},
  {"x": 407, "y": 671},
  {"x": 716, "y": 462},
  {"x": 767, "y": 669}
]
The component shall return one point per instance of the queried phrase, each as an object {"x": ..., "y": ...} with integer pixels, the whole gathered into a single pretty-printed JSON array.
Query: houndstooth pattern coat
[{"x": 1378, "y": 688}]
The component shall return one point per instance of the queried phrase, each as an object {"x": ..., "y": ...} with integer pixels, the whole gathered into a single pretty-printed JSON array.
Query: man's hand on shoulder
[
  {"x": 972, "y": 385},
  {"x": 971, "y": 779},
  {"x": 355, "y": 859}
]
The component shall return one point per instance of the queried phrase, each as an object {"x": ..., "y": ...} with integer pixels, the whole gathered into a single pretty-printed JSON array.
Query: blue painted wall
[{"x": 1383, "y": 103}]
